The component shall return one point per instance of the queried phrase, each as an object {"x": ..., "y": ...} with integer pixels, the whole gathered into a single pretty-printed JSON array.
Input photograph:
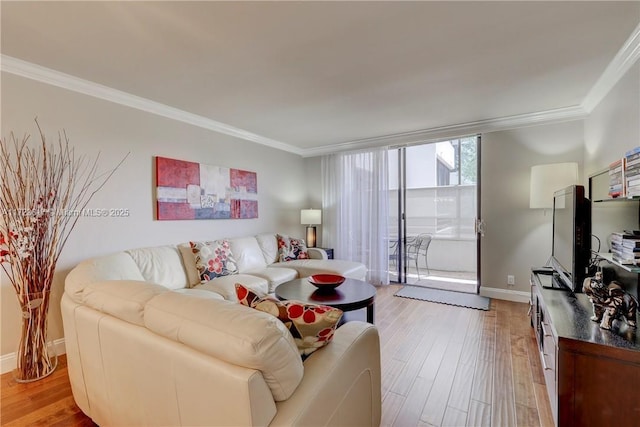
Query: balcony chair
[{"x": 418, "y": 248}]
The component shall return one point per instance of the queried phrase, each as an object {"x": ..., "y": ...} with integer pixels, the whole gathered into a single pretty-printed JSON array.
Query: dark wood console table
[{"x": 592, "y": 374}]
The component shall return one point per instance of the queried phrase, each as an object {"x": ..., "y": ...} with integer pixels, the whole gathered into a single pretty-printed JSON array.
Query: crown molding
[
  {"x": 48, "y": 76},
  {"x": 457, "y": 130},
  {"x": 619, "y": 65}
]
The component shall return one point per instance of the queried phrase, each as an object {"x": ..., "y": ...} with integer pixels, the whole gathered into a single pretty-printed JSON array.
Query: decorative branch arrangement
[{"x": 44, "y": 190}]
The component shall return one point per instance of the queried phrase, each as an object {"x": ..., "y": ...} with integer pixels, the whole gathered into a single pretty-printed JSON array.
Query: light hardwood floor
[
  {"x": 441, "y": 366},
  {"x": 449, "y": 366}
]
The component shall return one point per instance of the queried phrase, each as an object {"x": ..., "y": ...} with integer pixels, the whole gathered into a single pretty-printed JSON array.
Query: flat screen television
[{"x": 571, "y": 247}]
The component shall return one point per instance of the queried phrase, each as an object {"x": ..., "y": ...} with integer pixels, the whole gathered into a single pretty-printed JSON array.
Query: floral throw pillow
[
  {"x": 290, "y": 248},
  {"x": 311, "y": 325},
  {"x": 213, "y": 259}
]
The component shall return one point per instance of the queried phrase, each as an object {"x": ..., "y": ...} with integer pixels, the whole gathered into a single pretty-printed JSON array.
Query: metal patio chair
[{"x": 417, "y": 249}]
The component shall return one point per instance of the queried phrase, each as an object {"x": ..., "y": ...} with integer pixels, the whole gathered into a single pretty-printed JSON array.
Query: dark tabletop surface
[
  {"x": 570, "y": 316},
  {"x": 351, "y": 292}
]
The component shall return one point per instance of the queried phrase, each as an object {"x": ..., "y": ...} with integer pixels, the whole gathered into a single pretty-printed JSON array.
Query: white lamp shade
[
  {"x": 547, "y": 179},
  {"x": 310, "y": 216}
]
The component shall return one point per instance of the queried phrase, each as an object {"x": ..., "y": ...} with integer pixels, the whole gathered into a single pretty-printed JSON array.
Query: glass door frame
[
  {"x": 479, "y": 224},
  {"x": 401, "y": 267}
]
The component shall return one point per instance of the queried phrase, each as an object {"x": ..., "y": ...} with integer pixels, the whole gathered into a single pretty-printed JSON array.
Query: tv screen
[{"x": 571, "y": 247}]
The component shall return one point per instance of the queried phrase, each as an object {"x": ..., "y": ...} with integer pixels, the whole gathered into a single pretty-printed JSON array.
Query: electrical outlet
[{"x": 511, "y": 280}]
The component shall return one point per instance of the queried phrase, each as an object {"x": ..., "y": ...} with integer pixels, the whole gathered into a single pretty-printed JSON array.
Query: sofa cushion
[
  {"x": 118, "y": 266},
  {"x": 312, "y": 326},
  {"x": 290, "y": 248},
  {"x": 269, "y": 245},
  {"x": 202, "y": 293},
  {"x": 248, "y": 253},
  {"x": 232, "y": 333},
  {"x": 274, "y": 276},
  {"x": 124, "y": 299},
  {"x": 213, "y": 259},
  {"x": 162, "y": 265},
  {"x": 309, "y": 267},
  {"x": 225, "y": 285}
]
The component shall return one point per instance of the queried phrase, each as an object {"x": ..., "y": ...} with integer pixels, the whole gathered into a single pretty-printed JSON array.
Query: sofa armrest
[
  {"x": 317, "y": 253},
  {"x": 341, "y": 383}
]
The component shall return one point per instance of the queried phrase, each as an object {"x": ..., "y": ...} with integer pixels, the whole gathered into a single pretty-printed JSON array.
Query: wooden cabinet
[{"x": 592, "y": 375}]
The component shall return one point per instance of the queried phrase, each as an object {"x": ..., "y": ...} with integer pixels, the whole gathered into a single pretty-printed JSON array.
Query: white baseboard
[
  {"x": 8, "y": 361},
  {"x": 505, "y": 294}
]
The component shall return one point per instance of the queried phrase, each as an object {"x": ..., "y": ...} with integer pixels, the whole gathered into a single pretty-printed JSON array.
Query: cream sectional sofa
[{"x": 148, "y": 346}]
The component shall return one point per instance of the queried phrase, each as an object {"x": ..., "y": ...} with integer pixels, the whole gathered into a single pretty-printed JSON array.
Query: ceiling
[{"x": 315, "y": 76}]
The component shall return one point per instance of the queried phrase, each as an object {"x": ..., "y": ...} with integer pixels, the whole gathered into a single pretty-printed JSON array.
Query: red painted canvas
[{"x": 189, "y": 190}]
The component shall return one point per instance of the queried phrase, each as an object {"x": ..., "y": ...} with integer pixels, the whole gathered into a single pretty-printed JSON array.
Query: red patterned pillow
[
  {"x": 213, "y": 259},
  {"x": 311, "y": 325},
  {"x": 290, "y": 248}
]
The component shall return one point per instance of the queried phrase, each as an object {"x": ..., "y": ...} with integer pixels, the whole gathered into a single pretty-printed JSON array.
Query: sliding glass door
[{"x": 434, "y": 208}]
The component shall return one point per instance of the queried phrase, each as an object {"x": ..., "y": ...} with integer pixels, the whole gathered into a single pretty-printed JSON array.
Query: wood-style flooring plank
[
  {"x": 392, "y": 403},
  {"x": 62, "y": 412},
  {"x": 543, "y": 406},
  {"x": 472, "y": 338},
  {"x": 483, "y": 377},
  {"x": 403, "y": 381},
  {"x": 392, "y": 370},
  {"x": 479, "y": 414},
  {"x": 503, "y": 409},
  {"x": 482, "y": 390},
  {"x": 526, "y": 416},
  {"x": 410, "y": 412},
  {"x": 534, "y": 359},
  {"x": 487, "y": 347},
  {"x": 399, "y": 345},
  {"x": 414, "y": 327},
  {"x": 462, "y": 387},
  {"x": 454, "y": 418},
  {"x": 436, "y": 405},
  {"x": 422, "y": 351},
  {"x": 522, "y": 377}
]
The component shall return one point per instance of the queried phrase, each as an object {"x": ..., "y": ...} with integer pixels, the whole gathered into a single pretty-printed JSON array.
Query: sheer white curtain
[{"x": 355, "y": 201}]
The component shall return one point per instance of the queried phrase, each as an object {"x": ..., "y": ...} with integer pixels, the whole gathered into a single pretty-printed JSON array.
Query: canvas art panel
[{"x": 190, "y": 190}]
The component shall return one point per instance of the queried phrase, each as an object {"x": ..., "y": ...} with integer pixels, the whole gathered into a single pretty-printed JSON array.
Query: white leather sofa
[{"x": 147, "y": 347}]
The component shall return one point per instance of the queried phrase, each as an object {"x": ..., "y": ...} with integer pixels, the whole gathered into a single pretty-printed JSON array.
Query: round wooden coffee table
[{"x": 351, "y": 295}]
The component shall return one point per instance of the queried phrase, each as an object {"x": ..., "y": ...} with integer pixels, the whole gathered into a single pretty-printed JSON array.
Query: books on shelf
[
  {"x": 625, "y": 247},
  {"x": 620, "y": 236},
  {"x": 616, "y": 178},
  {"x": 631, "y": 174}
]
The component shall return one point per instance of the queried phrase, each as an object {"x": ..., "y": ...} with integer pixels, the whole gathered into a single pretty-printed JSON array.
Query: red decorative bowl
[{"x": 326, "y": 281}]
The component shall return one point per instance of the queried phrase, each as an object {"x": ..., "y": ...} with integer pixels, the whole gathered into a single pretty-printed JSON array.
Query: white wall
[
  {"x": 96, "y": 126},
  {"x": 613, "y": 127},
  {"x": 517, "y": 237}
]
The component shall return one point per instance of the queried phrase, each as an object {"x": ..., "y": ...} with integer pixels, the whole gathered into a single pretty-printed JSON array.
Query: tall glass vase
[{"x": 36, "y": 358}]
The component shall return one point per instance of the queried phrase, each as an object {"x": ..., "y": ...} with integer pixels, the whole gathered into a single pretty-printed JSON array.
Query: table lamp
[{"x": 311, "y": 217}]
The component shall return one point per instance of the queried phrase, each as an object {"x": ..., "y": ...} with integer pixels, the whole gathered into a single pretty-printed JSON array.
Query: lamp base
[{"x": 311, "y": 236}]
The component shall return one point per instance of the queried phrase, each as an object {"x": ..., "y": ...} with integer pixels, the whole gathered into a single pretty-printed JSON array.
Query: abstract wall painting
[{"x": 189, "y": 190}]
